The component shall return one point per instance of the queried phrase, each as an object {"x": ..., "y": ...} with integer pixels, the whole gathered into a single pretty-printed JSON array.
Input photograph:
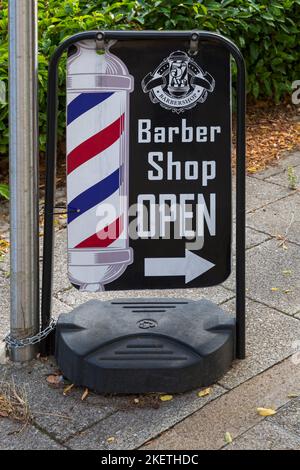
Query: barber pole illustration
[{"x": 98, "y": 87}]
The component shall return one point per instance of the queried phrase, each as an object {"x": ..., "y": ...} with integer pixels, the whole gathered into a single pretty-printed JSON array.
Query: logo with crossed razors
[{"x": 178, "y": 83}]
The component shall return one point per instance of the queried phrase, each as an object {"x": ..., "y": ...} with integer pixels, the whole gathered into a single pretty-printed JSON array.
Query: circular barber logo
[
  {"x": 178, "y": 83},
  {"x": 146, "y": 323}
]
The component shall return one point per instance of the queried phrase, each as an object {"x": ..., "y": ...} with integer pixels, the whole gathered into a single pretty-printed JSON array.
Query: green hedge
[{"x": 268, "y": 33}]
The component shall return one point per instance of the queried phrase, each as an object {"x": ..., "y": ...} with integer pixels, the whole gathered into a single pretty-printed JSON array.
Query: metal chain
[{"x": 21, "y": 343}]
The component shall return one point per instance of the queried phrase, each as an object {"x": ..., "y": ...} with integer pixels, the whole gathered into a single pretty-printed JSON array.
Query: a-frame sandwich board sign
[{"x": 148, "y": 202}]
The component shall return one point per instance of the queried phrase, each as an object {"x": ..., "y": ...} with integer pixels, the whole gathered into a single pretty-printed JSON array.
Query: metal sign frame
[{"x": 51, "y": 156}]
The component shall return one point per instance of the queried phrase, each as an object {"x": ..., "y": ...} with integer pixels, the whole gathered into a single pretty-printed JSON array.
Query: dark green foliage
[
  {"x": 4, "y": 191},
  {"x": 268, "y": 33}
]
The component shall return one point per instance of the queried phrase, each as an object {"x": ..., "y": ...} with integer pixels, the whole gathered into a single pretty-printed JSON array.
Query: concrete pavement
[{"x": 269, "y": 377}]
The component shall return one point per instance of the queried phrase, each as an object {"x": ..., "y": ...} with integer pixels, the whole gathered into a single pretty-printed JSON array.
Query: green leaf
[
  {"x": 255, "y": 89},
  {"x": 4, "y": 191},
  {"x": 254, "y": 51},
  {"x": 242, "y": 41}
]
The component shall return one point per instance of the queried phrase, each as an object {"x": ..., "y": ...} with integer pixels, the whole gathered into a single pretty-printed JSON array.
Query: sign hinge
[
  {"x": 194, "y": 44},
  {"x": 100, "y": 41}
]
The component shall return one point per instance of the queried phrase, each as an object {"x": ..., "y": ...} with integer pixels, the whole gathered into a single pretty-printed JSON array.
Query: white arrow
[{"x": 191, "y": 266}]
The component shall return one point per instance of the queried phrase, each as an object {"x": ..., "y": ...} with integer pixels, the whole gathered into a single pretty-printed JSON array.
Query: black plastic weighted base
[{"x": 145, "y": 345}]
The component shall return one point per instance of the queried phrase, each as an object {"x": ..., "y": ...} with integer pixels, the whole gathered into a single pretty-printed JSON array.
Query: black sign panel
[
  {"x": 177, "y": 136},
  {"x": 179, "y": 159}
]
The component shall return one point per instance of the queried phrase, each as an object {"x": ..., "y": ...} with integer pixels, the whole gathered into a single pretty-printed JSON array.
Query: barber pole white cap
[{"x": 98, "y": 87}]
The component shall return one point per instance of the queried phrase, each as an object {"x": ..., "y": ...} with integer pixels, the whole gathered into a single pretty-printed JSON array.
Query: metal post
[{"x": 23, "y": 159}]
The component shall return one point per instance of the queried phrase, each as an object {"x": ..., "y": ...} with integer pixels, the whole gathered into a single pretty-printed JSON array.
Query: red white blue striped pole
[{"x": 98, "y": 87}]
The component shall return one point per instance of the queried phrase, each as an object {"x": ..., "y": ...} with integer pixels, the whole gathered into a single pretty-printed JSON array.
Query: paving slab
[
  {"x": 283, "y": 178},
  {"x": 253, "y": 238},
  {"x": 63, "y": 417},
  {"x": 291, "y": 159},
  {"x": 60, "y": 266},
  {"x": 59, "y": 307},
  {"x": 259, "y": 193},
  {"x": 233, "y": 412},
  {"x": 271, "y": 337},
  {"x": 289, "y": 416},
  {"x": 273, "y": 276},
  {"x": 266, "y": 436},
  {"x": 30, "y": 438},
  {"x": 130, "y": 429},
  {"x": 281, "y": 218},
  {"x": 58, "y": 415}
]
